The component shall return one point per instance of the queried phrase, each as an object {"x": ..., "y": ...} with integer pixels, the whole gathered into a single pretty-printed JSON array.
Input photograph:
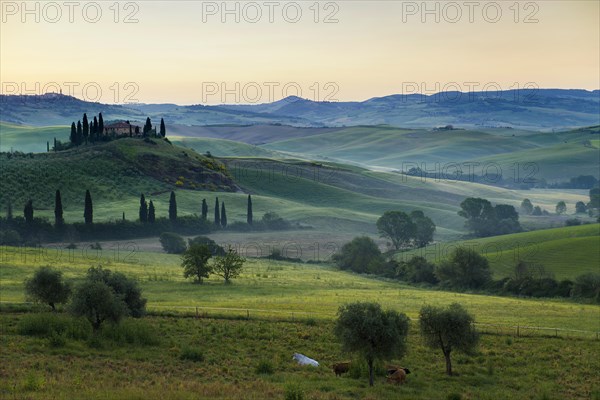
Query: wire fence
[{"x": 308, "y": 316}]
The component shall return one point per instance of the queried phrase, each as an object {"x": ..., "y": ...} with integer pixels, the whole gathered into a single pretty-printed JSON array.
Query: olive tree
[
  {"x": 374, "y": 334},
  {"x": 98, "y": 302},
  {"x": 448, "y": 329},
  {"x": 47, "y": 286}
]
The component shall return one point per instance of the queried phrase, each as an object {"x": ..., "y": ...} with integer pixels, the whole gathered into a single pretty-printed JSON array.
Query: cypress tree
[
  {"x": 58, "y": 210},
  {"x": 204, "y": 210},
  {"x": 95, "y": 129},
  {"x": 123, "y": 218},
  {"x": 28, "y": 212},
  {"x": 147, "y": 127},
  {"x": 163, "y": 130},
  {"x": 54, "y": 148},
  {"x": 143, "y": 209},
  {"x": 151, "y": 213},
  {"x": 100, "y": 131},
  {"x": 73, "y": 137},
  {"x": 223, "y": 215},
  {"x": 9, "y": 214},
  {"x": 217, "y": 215},
  {"x": 249, "y": 212},
  {"x": 79, "y": 133},
  {"x": 88, "y": 212},
  {"x": 173, "y": 207},
  {"x": 86, "y": 127},
  {"x": 47, "y": 147}
]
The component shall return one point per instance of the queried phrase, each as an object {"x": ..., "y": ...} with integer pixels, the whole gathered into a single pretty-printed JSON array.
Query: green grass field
[
  {"x": 565, "y": 252},
  {"x": 280, "y": 288},
  {"x": 291, "y": 308},
  {"x": 30, "y": 138}
]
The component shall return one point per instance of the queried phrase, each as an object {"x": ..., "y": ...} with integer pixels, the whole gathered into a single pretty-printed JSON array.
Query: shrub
[
  {"x": 133, "y": 332},
  {"x": 265, "y": 367},
  {"x": 360, "y": 255},
  {"x": 214, "y": 248},
  {"x": 417, "y": 270},
  {"x": 127, "y": 289},
  {"x": 191, "y": 355},
  {"x": 572, "y": 222},
  {"x": 465, "y": 268},
  {"x": 172, "y": 243},
  {"x": 45, "y": 325},
  {"x": 587, "y": 286},
  {"x": 98, "y": 302}
]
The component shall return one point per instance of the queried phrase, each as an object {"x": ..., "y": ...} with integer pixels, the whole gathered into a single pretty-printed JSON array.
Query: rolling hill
[
  {"x": 564, "y": 252},
  {"x": 540, "y": 109}
]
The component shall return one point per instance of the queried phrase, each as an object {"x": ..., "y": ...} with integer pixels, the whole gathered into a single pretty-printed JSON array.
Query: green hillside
[
  {"x": 558, "y": 155},
  {"x": 223, "y": 147},
  {"x": 111, "y": 171},
  {"x": 565, "y": 252},
  {"x": 29, "y": 138}
]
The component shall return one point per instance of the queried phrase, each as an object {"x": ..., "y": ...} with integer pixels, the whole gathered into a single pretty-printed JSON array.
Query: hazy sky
[{"x": 191, "y": 52}]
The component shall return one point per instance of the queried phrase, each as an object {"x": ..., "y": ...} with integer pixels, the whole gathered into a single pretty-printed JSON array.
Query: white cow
[{"x": 303, "y": 360}]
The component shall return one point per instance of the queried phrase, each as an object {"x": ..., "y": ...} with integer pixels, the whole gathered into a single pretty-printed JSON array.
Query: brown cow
[
  {"x": 341, "y": 368},
  {"x": 397, "y": 374}
]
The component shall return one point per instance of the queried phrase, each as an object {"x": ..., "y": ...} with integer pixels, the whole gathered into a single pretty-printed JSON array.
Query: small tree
[
  {"x": 465, "y": 268},
  {"x": 223, "y": 215},
  {"x": 151, "y": 213},
  {"x": 228, "y": 266},
  {"x": 172, "y": 243},
  {"x": 526, "y": 206},
  {"x": 173, "y": 207},
  {"x": 360, "y": 255},
  {"x": 561, "y": 207},
  {"x": 28, "y": 212},
  {"x": 97, "y": 302},
  {"x": 580, "y": 207},
  {"x": 127, "y": 289},
  {"x": 374, "y": 334},
  {"x": 143, "y": 213},
  {"x": 47, "y": 286},
  {"x": 249, "y": 211},
  {"x": 424, "y": 228},
  {"x": 147, "y": 127},
  {"x": 88, "y": 212},
  {"x": 448, "y": 329},
  {"x": 195, "y": 262},
  {"x": 58, "y": 210},
  {"x": 398, "y": 227},
  {"x": 537, "y": 211},
  {"x": 204, "y": 210}
]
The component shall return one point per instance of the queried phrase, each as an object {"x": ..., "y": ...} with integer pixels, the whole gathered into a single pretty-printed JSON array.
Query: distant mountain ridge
[{"x": 539, "y": 109}]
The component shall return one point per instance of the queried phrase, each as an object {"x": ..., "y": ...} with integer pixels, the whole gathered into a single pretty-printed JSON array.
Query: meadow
[
  {"x": 269, "y": 288},
  {"x": 239, "y": 343}
]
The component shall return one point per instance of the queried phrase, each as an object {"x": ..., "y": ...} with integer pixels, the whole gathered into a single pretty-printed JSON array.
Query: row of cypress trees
[
  {"x": 86, "y": 131},
  {"x": 147, "y": 211}
]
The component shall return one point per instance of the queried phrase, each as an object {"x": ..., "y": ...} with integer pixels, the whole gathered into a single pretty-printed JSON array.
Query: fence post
[
  {"x": 247, "y": 314},
  {"x": 517, "y": 330},
  {"x": 197, "y": 316},
  {"x": 556, "y": 332}
]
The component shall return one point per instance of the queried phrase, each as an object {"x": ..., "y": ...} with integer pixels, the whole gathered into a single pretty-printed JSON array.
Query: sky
[{"x": 248, "y": 52}]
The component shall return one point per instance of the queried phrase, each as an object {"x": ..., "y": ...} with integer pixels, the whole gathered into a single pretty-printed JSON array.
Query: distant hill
[{"x": 542, "y": 109}]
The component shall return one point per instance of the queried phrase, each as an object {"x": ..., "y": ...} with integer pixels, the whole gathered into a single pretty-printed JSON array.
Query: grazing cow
[
  {"x": 341, "y": 368},
  {"x": 397, "y": 374}
]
